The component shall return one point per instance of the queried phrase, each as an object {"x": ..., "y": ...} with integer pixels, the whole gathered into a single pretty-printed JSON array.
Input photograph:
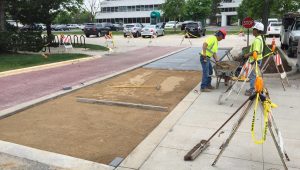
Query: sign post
[{"x": 248, "y": 23}]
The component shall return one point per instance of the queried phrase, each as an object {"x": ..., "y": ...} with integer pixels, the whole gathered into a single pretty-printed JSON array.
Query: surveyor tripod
[{"x": 264, "y": 101}]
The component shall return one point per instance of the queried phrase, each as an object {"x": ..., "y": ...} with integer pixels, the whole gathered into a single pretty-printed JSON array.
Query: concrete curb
[
  {"x": 290, "y": 73},
  {"x": 46, "y": 66},
  {"x": 50, "y": 158},
  {"x": 23, "y": 106}
]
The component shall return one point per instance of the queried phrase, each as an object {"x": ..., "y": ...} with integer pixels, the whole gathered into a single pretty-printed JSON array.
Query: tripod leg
[
  {"x": 234, "y": 129},
  {"x": 286, "y": 78},
  {"x": 277, "y": 145}
]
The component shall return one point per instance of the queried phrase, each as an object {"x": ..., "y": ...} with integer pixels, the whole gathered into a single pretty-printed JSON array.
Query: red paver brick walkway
[{"x": 24, "y": 87}]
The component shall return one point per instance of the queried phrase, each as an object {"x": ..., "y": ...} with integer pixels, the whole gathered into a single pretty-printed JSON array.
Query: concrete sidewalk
[{"x": 198, "y": 116}]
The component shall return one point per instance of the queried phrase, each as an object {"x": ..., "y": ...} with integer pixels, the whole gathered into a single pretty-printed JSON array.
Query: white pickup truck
[{"x": 290, "y": 33}]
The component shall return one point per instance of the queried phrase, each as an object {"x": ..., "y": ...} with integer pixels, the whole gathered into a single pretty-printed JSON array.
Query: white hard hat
[{"x": 259, "y": 26}]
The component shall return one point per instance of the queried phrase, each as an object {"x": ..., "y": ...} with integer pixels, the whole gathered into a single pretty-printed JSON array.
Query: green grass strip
[{"x": 18, "y": 61}]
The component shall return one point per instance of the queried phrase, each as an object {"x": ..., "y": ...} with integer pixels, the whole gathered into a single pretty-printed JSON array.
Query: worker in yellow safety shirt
[
  {"x": 258, "y": 47},
  {"x": 209, "y": 49}
]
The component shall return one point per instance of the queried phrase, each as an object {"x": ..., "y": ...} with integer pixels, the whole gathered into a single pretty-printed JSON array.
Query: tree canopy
[
  {"x": 198, "y": 9},
  {"x": 37, "y": 11},
  {"x": 173, "y": 9}
]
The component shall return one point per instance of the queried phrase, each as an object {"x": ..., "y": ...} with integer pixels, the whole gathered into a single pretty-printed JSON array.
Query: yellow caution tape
[
  {"x": 267, "y": 105},
  {"x": 189, "y": 34}
]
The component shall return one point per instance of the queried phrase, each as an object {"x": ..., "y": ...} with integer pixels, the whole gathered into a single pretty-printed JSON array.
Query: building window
[
  {"x": 138, "y": 20},
  {"x": 138, "y": 8},
  {"x": 142, "y": 8},
  {"x": 156, "y": 7},
  {"x": 129, "y": 20},
  {"x": 148, "y": 20}
]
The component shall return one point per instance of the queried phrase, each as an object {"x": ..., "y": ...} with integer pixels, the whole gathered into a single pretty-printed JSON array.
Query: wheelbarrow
[{"x": 225, "y": 70}]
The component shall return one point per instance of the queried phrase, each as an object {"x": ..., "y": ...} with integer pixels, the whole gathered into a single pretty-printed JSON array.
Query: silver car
[
  {"x": 150, "y": 30},
  {"x": 132, "y": 30}
]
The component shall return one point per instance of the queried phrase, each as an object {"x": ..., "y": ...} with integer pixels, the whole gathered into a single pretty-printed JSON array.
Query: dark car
[
  {"x": 117, "y": 27},
  {"x": 195, "y": 29},
  {"x": 109, "y": 25},
  {"x": 184, "y": 24},
  {"x": 161, "y": 24},
  {"x": 97, "y": 29}
]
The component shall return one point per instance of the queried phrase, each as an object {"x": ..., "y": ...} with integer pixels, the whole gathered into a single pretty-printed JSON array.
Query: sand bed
[{"x": 98, "y": 132}]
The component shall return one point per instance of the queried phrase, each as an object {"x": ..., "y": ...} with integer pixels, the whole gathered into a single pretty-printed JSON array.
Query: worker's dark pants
[{"x": 206, "y": 72}]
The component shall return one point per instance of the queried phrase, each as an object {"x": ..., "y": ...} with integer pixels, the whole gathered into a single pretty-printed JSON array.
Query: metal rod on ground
[
  {"x": 125, "y": 104},
  {"x": 193, "y": 153},
  {"x": 234, "y": 129}
]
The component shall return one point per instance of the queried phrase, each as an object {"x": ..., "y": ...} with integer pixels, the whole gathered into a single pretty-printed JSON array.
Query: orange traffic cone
[{"x": 273, "y": 44}]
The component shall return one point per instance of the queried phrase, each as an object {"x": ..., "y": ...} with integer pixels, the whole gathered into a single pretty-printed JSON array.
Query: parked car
[
  {"x": 118, "y": 27},
  {"x": 288, "y": 20},
  {"x": 274, "y": 29},
  {"x": 32, "y": 27},
  {"x": 72, "y": 26},
  {"x": 184, "y": 24},
  {"x": 61, "y": 27},
  {"x": 109, "y": 25},
  {"x": 81, "y": 26},
  {"x": 195, "y": 29},
  {"x": 294, "y": 36},
  {"x": 134, "y": 29},
  {"x": 170, "y": 25},
  {"x": 14, "y": 23},
  {"x": 150, "y": 30},
  {"x": 272, "y": 20},
  {"x": 161, "y": 24},
  {"x": 97, "y": 29}
]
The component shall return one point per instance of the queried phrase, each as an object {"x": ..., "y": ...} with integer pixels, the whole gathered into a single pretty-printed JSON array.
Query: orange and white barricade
[
  {"x": 66, "y": 42},
  {"x": 109, "y": 40},
  {"x": 283, "y": 75},
  {"x": 277, "y": 60},
  {"x": 153, "y": 36}
]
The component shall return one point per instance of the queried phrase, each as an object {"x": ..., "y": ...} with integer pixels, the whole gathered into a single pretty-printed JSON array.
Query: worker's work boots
[{"x": 205, "y": 90}]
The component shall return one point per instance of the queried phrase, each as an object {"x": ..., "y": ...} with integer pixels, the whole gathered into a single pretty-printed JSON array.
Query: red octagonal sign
[{"x": 248, "y": 22}]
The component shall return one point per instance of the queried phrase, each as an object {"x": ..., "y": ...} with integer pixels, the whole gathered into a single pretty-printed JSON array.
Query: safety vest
[
  {"x": 212, "y": 46},
  {"x": 258, "y": 46}
]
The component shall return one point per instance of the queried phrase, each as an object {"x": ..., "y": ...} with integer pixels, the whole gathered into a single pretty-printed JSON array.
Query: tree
[
  {"x": 283, "y": 6},
  {"x": 2, "y": 15},
  {"x": 198, "y": 9},
  {"x": 31, "y": 11},
  {"x": 173, "y": 9},
  {"x": 215, "y": 9},
  {"x": 93, "y": 6}
]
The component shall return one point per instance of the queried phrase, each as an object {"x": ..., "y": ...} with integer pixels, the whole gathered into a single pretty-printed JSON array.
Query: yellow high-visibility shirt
[
  {"x": 212, "y": 46},
  {"x": 258, "y": 46}
]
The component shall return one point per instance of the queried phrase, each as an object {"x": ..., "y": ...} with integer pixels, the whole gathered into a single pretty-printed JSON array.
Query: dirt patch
[{"x": 97, "y": 132}]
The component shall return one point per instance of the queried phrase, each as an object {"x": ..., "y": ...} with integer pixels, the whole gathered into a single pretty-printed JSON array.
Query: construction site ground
[
  {"x": 194, "y": 118},
  {"x": 100, "y": 133}
]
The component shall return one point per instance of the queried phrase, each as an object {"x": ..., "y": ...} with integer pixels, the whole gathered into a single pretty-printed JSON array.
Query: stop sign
[{"x": 248, "y": 22}]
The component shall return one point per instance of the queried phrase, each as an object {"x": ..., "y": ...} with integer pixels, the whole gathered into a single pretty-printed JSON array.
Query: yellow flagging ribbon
[
  {"x": 267, "y": 105},
  {"x": 190, "y": 35}
]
